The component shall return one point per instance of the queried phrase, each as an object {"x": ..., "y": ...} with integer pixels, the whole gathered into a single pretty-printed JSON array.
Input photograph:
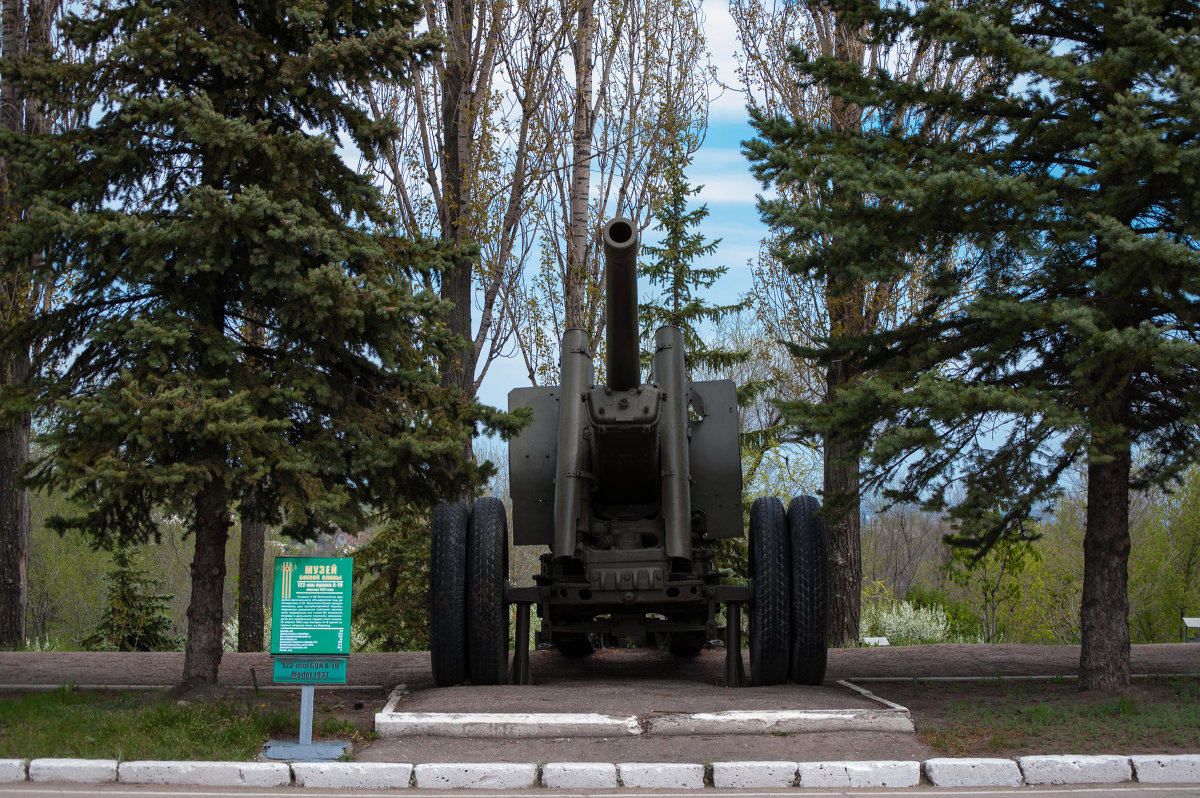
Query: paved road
[{"x": 123, "y": 791}]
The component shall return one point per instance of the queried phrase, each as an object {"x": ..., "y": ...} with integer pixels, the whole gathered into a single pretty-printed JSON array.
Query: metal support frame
[
  {"x": 735, "y": 672},
  {"x": 734, "y": 597},
  {"x": 520, "y": 665},
  {"x": 306, "y": 714}
]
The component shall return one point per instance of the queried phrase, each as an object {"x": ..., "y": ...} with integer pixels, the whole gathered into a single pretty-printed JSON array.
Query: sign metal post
[{"x": 310, "y": 641}]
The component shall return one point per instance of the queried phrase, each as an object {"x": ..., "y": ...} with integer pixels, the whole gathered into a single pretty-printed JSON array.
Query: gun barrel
[{"x": 622, "y": 362}]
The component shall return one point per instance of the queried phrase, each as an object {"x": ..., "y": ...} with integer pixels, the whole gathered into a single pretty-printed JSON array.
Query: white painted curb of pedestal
[
  {"x": 1075, "y": 769},
  {"x": 859, "y": 774},
  {"x": 357, "y": 775},
  {"x": 13, "y": 770},
  {"x": 965, "y": 772},
  {"x": 504, "y": 724},
  {"x": 579, "y": 775},
  {"x": 479, "y": 775},
  {"x": 206, "y": 774},
  {"x": 754, "y": 774},
  {"x": 79, "y": 771},
  {"x": 661, "y": 775},
  {"x": 1167, "y": 769},
  {"x": 781, "y": 721}
]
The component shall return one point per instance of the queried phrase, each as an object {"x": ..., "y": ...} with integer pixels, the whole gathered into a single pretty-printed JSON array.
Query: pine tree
[
  {"x": 1070, "y": 183},
  {"x": 206, "y": 192},
  {"x": 670, "y": 267},
  {"x": 835, "y": 227},
  {"x": 135, "y": 617}
]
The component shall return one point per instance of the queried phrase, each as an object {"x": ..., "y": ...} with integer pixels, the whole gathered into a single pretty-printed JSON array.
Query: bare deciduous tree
[
  {"x": 475, "y": 148},
  {"x": 636, "y": 96}
]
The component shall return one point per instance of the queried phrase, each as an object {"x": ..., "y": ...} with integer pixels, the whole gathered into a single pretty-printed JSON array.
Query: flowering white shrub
[
  {"x": 904, "y": 624},
  {"x": 229, "y": 636}
]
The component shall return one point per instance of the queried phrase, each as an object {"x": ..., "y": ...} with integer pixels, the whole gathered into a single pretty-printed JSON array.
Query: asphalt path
[{"x": 134, "y": 791}]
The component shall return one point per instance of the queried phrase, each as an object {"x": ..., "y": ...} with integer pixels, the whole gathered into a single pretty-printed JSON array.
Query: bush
[
  {"x": 903, "y": 623},
  {"x": 963, "y": 623},
  {"x": 391, "y": 608}
]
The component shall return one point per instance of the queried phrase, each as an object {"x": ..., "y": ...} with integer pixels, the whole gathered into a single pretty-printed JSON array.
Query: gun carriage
[{"x": 628, "y": 484}]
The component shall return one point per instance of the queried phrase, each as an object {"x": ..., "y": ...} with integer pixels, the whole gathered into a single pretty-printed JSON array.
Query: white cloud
[
  {"x": 721, "y": 33},
  {"x": 728, "y": 189}
]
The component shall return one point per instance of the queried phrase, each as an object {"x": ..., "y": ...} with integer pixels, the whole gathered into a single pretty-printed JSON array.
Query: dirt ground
[
  {"x": 412, "y": 668},
  {"x": 637, "y": 682}
]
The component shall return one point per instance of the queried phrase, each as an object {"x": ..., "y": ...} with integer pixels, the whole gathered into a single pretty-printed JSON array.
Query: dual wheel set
[
  {"x": 789, "y": 612},
  {"x": 789, "y": 618},
  {"x": 468, "y": 619}
]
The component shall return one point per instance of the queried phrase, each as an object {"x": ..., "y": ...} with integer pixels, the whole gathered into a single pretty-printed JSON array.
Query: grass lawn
[
  {"x": 1014, "y": 718},
  {"x": 151, "y": 725}
]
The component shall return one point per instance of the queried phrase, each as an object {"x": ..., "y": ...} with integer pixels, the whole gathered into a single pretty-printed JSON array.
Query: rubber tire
[
  {"x": 771, "y": 593},
  {"x": 810, "y": 603},
  {"x": 574, "y": 644},
  {"x": 487, "y": 614},
  {"x": 448, "y": 593}
]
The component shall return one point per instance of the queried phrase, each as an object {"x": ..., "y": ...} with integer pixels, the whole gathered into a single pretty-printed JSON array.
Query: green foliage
[
  {"x": 229, "y": 632},
  {"x": 1064, "y": 273},
  {"x": 1061, "y": 324},
  {"x": 391, "y": 607},
  {"x": 67, "y": 579},
  {"x": 991, "y": 581},
  {"x": 670, "y": 269},
  {"x": 135, "y": 618},
  {"x": 1164, "y": 562}
]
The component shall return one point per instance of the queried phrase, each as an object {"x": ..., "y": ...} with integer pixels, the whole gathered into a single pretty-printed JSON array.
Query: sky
[{"x": 729, "y": 191}]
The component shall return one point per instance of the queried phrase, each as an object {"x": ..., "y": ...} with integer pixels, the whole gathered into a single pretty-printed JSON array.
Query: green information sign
[
  {"x": 310, "y": 670},
  {"x": 311, "y": 607}
]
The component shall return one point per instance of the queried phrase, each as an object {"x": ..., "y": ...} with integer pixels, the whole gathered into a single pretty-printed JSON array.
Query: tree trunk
[
  {"x": 1104, "y": 615},
  {"x": 14, "y": 432},
  {"x": 14, "y": 516},
  {"x": 575, "y": 283},
  {"x": 842, "y": 527},
  {"x": 844, "y": 302},
  {"x": 250, "y": 577},
  {"x": 458, "y": 368},
  {"x": 202, "y": 653}
]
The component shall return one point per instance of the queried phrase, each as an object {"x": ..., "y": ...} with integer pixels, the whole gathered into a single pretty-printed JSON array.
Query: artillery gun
[{"x": 628, "y": 484}]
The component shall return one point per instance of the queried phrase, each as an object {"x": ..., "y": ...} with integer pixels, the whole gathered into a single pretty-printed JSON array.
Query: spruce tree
[
  {"x": 670, "y": 267},
  {"x": 671, "y": 270},
  {"x": 135, "y": 617},
  {"x": 1075, "y": 336},
  {"x": 207, "y": 191}
]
